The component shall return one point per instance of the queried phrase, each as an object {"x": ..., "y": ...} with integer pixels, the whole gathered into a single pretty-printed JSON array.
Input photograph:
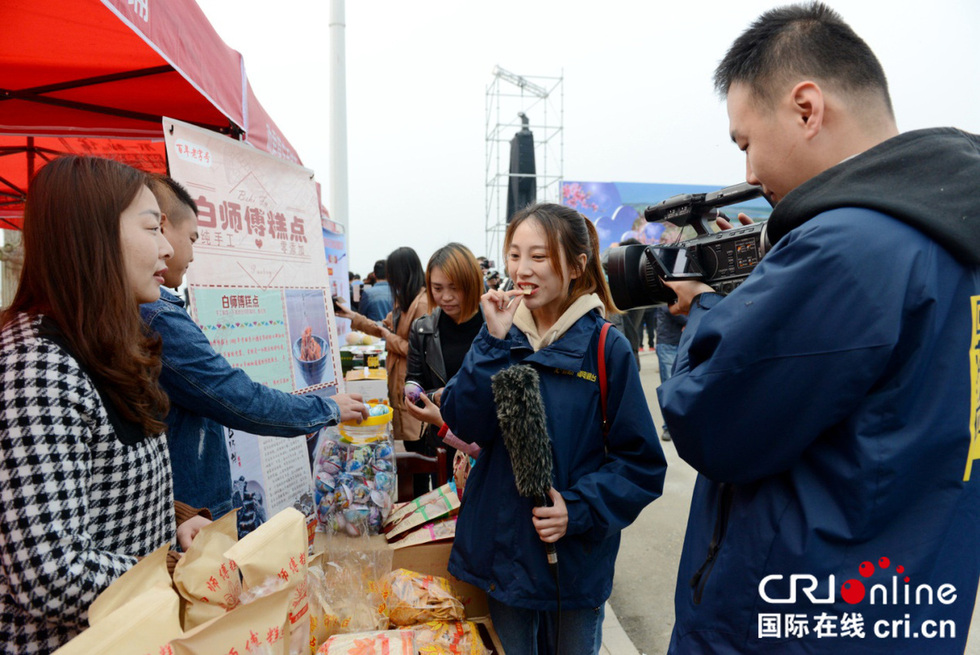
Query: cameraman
[{"x": 853, "y": 449}]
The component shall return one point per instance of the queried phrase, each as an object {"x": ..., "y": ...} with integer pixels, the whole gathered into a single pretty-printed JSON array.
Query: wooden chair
[{"x": 408, "y": 464}]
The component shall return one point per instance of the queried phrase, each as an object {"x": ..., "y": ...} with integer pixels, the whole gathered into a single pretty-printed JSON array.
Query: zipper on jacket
[{"x": 700, "y": 577}]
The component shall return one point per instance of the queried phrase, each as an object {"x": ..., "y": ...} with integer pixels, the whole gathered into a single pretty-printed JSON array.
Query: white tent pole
[{"x": 337, "y": 201}]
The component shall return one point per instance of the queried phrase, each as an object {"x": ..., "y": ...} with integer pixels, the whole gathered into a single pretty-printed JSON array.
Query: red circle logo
[{"x": 852, "y": 592}]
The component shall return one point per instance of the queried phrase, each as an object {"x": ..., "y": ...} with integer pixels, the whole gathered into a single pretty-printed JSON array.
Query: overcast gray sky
[{"x": 638, "y": 99}]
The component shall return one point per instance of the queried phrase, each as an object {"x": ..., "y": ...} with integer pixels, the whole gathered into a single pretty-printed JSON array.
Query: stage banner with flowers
[{"x": 259, "y": 287}]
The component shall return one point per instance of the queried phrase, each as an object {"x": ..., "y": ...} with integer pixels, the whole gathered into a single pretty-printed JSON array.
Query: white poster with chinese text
[{"x": 260, "y": 290}]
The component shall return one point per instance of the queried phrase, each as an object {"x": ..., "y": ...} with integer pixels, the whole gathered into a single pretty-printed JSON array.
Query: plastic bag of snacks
[
  {"x": 389, "y": 642},
  {"x": 454, "y": 637},
  {"x": 344, "y": 586},
  {"x": 354, "y": 475},
  {"x": 413, "y": 598}
]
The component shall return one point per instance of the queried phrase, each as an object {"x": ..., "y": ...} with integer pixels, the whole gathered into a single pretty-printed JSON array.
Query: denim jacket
[{"x": 206, "y": 393}]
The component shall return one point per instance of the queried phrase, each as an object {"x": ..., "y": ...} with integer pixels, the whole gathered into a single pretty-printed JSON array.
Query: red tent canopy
[{"x": 97, "y": 76}]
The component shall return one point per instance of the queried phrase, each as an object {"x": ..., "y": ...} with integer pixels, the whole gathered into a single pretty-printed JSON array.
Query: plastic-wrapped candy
[
  {"x": 324, "y": 512},
  {"x": 386, "y": 465},
  {"x": 356, "y": 520},
  {"x": 325, "y": 482},
  {"x": 330, "y": 448},
  {"x": 382, "y": 451},
  {"x": 360, "y": 494},
  {"x": 383, "y": 481},
  {"x": 378, "y": 410},
  {"x": 380, "y": 509},
  {"x": 375, "y": 519},
  {"x": 332, "y": 465},
  {"x": 358, "y": 455},
  {"x": 413, "y": 391},
  {"x": 334, "y": 522},
  {"x": 355, "y": 467}
]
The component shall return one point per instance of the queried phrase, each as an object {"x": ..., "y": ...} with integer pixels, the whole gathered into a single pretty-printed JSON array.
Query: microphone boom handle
[{"x": 550, "y": 549}]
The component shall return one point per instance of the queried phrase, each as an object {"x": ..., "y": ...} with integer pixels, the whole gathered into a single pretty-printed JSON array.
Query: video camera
[{"x": 722, "y": 259}]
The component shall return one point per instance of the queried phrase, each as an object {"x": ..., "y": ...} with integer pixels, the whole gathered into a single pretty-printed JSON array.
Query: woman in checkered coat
[{"x": 84, "y": 472}]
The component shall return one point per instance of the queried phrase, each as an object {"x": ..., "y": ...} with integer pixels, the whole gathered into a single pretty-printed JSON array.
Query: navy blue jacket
[
  {"x": 829, "y": 405},
  {"x": 206, "y": 393},
  {"x": 377, "y": 301},
  {"x": 496, "y": 547}
]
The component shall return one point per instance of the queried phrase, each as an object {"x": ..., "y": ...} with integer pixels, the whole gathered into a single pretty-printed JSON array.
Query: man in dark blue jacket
[
  {"x": 377, "y": 301},
  {"x": 205, "y": 391},
  {"x": 838, "y": 503},
  {"x": 669, "y": 329}
]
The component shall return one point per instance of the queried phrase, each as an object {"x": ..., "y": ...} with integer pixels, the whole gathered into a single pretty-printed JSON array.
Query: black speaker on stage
[{"x": 522, "y": 186}]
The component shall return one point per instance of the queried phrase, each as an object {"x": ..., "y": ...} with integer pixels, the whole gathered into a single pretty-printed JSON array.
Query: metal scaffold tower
[{"x": 542, "y": 101}]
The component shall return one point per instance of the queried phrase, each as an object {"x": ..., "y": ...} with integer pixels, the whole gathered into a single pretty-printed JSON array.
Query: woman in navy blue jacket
[{"x": 551, "y": 320}]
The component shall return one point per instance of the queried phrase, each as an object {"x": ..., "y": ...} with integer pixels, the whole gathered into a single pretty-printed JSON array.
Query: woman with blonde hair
[{"x": 440, "y": 339}]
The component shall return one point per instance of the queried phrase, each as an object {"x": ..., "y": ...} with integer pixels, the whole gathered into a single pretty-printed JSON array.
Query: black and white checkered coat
[{"x": 77, "y": 506}]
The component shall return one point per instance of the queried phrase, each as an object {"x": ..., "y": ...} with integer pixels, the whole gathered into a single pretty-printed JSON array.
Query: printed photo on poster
[
  {"x": 306, "y": 312},
  {"x": 268, "y": 475}
]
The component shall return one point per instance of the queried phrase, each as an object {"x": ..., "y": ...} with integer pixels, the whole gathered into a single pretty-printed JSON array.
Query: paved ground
[{"x": 642, "y": 603}]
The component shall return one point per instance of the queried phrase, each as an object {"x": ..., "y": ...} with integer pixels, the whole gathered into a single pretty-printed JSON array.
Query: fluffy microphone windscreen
[{"x": 520, "y": 412}]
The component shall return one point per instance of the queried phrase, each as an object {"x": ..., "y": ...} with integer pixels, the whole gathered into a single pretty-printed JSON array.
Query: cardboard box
[
  {"x": 432, "y": 559},
  {"x": 371, "y": 383}
]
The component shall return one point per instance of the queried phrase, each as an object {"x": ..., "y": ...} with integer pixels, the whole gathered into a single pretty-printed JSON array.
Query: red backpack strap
[{"x": 603, "y": 387}]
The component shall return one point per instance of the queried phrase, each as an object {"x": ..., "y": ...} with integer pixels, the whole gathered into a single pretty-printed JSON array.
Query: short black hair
[
  {"x": 809, "y": 40},
  {"x": 172, "y": 190},
  {"x": 381, "y": 269}
]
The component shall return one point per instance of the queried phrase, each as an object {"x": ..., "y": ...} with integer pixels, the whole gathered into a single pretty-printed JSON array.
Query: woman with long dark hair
[
  {"x": 83, "y": 459},
  {"x": 407, "y": 281}
]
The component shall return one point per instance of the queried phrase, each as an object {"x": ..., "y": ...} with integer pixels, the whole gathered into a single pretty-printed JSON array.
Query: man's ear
[
  {"x": 808, "y": 103},
  {"x": 165, "y": 223}
]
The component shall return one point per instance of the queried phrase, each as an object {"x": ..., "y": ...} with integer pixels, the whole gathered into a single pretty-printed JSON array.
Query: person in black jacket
[{"x": 439, "y": 340}]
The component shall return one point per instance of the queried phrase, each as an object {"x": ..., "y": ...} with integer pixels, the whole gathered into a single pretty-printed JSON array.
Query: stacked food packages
[{"x": 423, "y": 616}]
